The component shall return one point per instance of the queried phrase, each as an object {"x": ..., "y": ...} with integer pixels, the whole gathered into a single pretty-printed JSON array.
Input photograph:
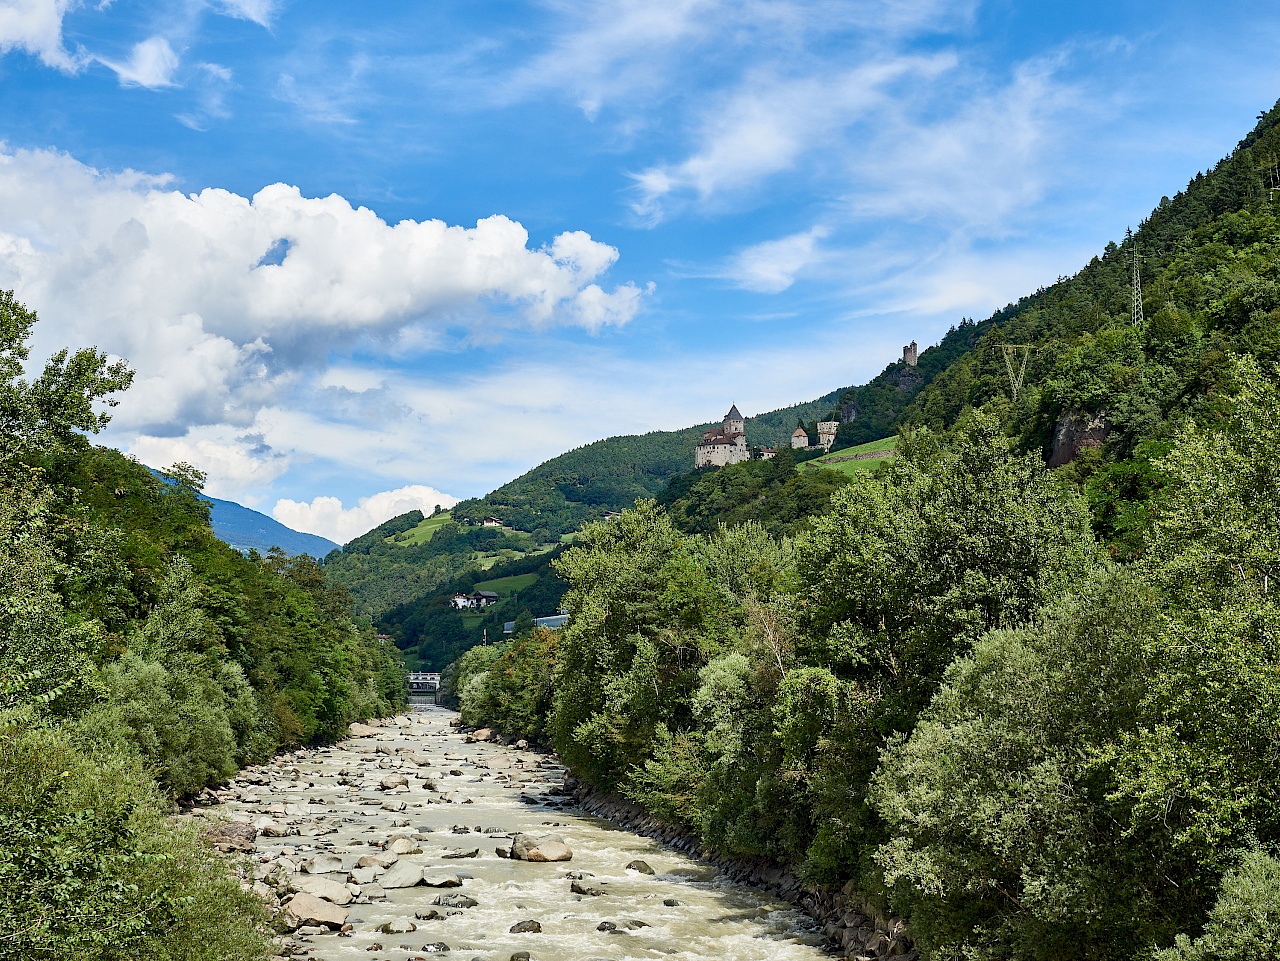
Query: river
[{"x": 461, "y": 796}]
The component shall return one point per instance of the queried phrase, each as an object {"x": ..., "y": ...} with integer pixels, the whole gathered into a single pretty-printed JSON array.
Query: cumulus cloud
[
  {"x": 151, "y": 64},
  {"x": 180, "y": 284},
  {"x": 35, "y": 27},
  {"x": 327, "y": 517}
]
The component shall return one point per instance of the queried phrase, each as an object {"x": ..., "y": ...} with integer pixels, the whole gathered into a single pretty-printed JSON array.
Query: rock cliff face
[{"x": 1076, "y": 432}]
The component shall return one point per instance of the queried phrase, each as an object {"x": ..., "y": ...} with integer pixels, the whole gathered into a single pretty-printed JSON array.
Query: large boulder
[
  {"x": 329, "y": 889},
  {"x": 547, "y": 847},
  {"x": 402, "y": 874},
  {"x": 322, "y": 864},
  {"x": 304, "y": 908},
  {"x": 393, "y": 781},
  {"x": 403, "y": 845},
  {"x": 232, "y": 836},
  {"x": 362, "y": 730}
]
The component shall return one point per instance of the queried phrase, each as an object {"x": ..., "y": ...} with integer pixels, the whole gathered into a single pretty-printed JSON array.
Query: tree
[{"x": 59, "y": 404}]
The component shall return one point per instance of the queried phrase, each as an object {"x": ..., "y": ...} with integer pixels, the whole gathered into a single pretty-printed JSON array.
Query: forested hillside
[
  {"x": 558, "y": 496},
  {"x": 1017, "y": 685},
  {"x": 141, "y": 659},
  {"x": 411, "y": 557}
]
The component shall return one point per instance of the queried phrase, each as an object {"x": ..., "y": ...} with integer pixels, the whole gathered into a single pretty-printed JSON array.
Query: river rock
[
  {"x": 455, "y": 901},
  {"x": 393, "y": 781},
  {"x": 403, "y": 874},
  {"x": 362, "y": 730},
  {"x": 526, "y": 927},
  {"x": 455, "y": 853},
  {"x": 441, "y": 881},
  {"x": 403, "y": 845},
  {"x": 577, "y": 887},
  {"x": 381, "y": 861},
  {"x": 548, "y": 847},
  {"x": 640, "y": 866},
  {"x": 304, "y": 908},
  {"x": 397, "y": 927},
  {"x": 232, "y": 836},
  {"x": 335, "y": 892},
  {"x": 322, "y": 864}
]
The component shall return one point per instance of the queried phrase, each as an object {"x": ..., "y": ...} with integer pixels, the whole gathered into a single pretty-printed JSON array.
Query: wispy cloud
[
  {"x": 769, "y": 123},
  {"x": 772, "y": 266},
  {"x": 151, "y": 64}
]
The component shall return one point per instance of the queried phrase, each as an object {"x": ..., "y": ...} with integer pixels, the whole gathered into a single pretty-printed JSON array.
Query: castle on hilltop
[{"x": 724, "y": 445}]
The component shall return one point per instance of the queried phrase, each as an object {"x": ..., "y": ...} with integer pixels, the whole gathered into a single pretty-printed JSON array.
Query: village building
[
  {"x": 767, "y": 453},
  {"x": 910, "y": 354},
  {"x": 465, "y": 602},
  {"x": 492, "y": 522},
  {"x": 724, "y": 445},
  {"x": 799, "y": 439}
]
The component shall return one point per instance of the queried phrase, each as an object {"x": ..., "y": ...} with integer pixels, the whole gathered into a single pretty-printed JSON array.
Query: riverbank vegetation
[
  {"x": 141, "y": 660},
  {"x": 1031, "y": 710}
]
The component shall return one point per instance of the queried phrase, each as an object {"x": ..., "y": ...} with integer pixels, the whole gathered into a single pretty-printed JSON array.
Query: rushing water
[{"x": 689, "y": 910}]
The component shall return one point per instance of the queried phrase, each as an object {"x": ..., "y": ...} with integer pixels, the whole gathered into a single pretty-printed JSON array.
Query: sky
[{"x": 370, "y": 257}]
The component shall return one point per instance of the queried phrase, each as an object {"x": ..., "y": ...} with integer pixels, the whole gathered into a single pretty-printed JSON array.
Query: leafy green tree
[
  {"x": 1004, "y": 838},
  {"x": 913, "y": 564},
  {"x": 59, "y": 404}
]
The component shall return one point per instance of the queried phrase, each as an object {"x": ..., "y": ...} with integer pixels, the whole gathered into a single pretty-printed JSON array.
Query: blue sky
[{"x": 363, "y": 253}]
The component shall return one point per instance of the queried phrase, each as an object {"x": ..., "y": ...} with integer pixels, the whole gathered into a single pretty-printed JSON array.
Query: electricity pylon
[
  {"x": 1016, "y": 377},
  {"x": 1136, "y": 308}
]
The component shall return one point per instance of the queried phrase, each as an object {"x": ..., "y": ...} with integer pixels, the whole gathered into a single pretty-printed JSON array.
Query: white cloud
[
  {"x": 232, "y": 464},
  {"x": 172, "y": 282},
  {"x": 327, "y": 517},
  {"x": 35, "y": 26},
  {"x": 771, "y": 267},
  {"x": 151, "y": 64},
  {"x": 259, "y": 11}
]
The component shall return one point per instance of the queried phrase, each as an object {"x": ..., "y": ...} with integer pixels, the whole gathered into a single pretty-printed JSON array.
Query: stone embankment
[
  {"x": 856, "y": 929},
  {"x": 414, "y": 839}
]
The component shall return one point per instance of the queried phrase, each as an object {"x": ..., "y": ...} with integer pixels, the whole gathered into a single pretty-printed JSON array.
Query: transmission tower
[
  {"x": 1017, "y": 368},
  {"x": 1136, "y": 310},
  {"x": 1273, "y": 179}
]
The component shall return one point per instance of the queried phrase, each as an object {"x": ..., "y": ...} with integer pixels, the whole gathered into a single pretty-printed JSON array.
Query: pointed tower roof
[
  {"x": 798, "y": 431},
  {"x": 733, "y": 414}
]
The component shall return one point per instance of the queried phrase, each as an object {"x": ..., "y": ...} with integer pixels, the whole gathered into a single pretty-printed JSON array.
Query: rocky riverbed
[{"x": 413, "y": 840}]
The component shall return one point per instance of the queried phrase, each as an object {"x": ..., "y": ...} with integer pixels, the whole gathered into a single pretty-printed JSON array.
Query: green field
[
  {"x": 507, "y": 585},
  {"x": 835, "y": 461},
  {"x": 424, "y": 531}
]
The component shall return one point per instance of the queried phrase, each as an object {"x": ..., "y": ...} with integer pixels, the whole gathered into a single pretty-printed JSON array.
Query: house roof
[
  {"x": 733, "y": 414},
  {"x": 798, "y": 431},
  {"x": 486, "y": 593}
]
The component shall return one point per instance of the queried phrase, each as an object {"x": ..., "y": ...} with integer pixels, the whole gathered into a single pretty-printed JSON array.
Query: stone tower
[{"x": 909, "y": 354}]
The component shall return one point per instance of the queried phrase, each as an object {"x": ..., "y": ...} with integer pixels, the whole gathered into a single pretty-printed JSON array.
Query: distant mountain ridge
[{"x": 246, "y": 529}]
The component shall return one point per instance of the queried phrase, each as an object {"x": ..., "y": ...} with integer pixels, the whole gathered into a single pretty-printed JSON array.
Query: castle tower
[
  {"x": 909, "y": 354},
  {"x": 734, "y": 422}
]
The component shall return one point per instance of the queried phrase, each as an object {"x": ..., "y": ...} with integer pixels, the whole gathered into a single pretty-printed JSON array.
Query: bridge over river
[{"x": 424, "y": 687}]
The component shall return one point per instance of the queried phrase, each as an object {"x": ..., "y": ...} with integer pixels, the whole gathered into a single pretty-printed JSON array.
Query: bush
[
  {"x": 93, "y": 872},
  {"x": 1244, "y": 924}
]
